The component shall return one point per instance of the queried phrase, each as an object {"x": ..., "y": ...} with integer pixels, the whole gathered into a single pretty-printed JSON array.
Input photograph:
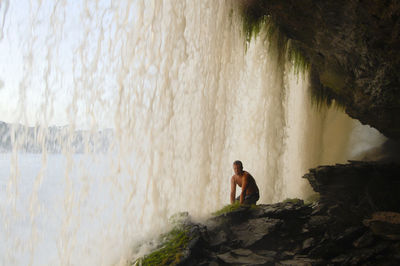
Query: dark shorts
[{"x": 250, "y": 199}]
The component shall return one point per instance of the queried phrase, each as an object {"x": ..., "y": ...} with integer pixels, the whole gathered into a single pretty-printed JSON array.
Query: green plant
[
  {"x": 256, "y": 20},
  {"x": 232, "y": 207},
  {"x": 296, "y": 57},
  {"x": 170, "y": 250},
  {"x": 294, "y": 200},
  {"x": 253, "y": 26},
  {"x": 227, "y": 208}
]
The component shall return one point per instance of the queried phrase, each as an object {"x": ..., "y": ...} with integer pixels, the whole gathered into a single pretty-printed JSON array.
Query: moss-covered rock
[
  {"x": 233, "y": 207},
  {"x": 227, "y": 208},
  {"x": 170, "y": 251},
  {"x": 176, "y": 245},
  {"x": 173, "y": 245},
  {"x": 363, "y": 186},
  {"x": 294, "y": 201}
]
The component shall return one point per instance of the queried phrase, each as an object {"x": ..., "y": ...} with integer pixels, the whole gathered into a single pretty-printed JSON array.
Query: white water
[{"x": 173, "y": 80}]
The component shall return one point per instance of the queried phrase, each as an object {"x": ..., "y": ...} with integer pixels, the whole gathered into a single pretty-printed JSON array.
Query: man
[{"x": 243, "y": 179}]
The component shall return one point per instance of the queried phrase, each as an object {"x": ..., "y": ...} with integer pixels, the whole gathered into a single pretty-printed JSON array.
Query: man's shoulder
[
  {"x": 233, "y": 178},
  {"x": 247, "y": 174}
]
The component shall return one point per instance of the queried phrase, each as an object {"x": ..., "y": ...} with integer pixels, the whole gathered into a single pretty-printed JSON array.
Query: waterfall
[{"x": 181, "y": 95}]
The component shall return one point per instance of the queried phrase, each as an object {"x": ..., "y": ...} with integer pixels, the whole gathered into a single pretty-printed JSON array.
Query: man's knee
[
  {"x": 249, "y": 199},
  {"x": 252, "y": 199},
  {"x": 250, "y": 202}
]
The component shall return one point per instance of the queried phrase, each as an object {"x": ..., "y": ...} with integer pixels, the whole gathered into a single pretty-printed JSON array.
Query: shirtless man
[{"x": 243, "y": 179}]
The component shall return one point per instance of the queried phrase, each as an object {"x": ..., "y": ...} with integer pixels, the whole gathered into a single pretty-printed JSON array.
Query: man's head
[{"x": 237, "y": 167}]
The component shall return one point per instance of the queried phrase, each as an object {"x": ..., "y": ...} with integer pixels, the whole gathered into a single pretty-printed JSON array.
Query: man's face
[{"x": 237, "y": 169}]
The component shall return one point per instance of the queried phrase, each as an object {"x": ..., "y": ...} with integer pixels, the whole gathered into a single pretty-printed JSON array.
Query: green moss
[
  {"x": 170, "y": 251},
  {"x": 296, "y": 57},
  {"x": 253, "y": 26},
  {"x": 227, "y": 208},
  {"x": 294, "y": 201},
  {"x": 257, "y": 21},
  {"x": 232, "y": 207}
]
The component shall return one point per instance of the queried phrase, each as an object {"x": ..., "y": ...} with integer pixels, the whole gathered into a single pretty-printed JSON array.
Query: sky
[{"x": 54, "y": 64}]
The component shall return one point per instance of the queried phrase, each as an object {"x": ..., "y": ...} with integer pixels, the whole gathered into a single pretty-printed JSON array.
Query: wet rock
[
  {"x": 255, "y": 229},
  {"x": 287, "y": 255},
  {"x": 360, "y": 257},
  {"x": 220, "y": 238},
  {"x": 196, "y": 246},
  {"x": 318, "y": 208},
  {"x": 365, "y": 240},
  {"x": 282, "y": 210},
  {"x": 341, "y": 259},
  {"x": 326, "y": 250},
  {"x": 368, "y": 254},
  {"x": 353, "y": 191},
  {"x": 265, "y": 210},
  {"x": 318, "y": 222},
  {"x": 350, "y": 234},
  {"x": 299, "y": 262},
  {"x": 308, "y": 243},
  {"x": 244, "y": 256},
  {"x": 266, "y": 253},
  {"x": 385, "y": 224}
]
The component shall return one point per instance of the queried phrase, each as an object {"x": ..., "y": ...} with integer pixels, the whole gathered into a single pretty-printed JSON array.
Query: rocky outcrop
[
  {"x": 353, "y": 48},
  {"x": 289, "y": 234},
  {"x": 357, "y": 189},
  {"x": 350, "y": 225},
  {"x": 385, "y": 224}
]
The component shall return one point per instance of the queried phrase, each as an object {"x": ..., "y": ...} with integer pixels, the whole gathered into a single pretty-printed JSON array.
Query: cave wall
[{"x": 353, "y": 50}]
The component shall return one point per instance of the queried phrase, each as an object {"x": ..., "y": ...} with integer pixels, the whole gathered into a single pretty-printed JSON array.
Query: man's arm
[
  {"x": 233, "y": 190},
  {"x": 245, "y": 184}
]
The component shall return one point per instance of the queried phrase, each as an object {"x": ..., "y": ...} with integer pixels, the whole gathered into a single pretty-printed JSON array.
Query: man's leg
[{"x": 251, "y": 199}]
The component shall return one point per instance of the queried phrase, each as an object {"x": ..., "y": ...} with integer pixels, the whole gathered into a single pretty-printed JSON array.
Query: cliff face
[
  {"x": 353, "y": 48},
  {"x": 52, "y": 139}
]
